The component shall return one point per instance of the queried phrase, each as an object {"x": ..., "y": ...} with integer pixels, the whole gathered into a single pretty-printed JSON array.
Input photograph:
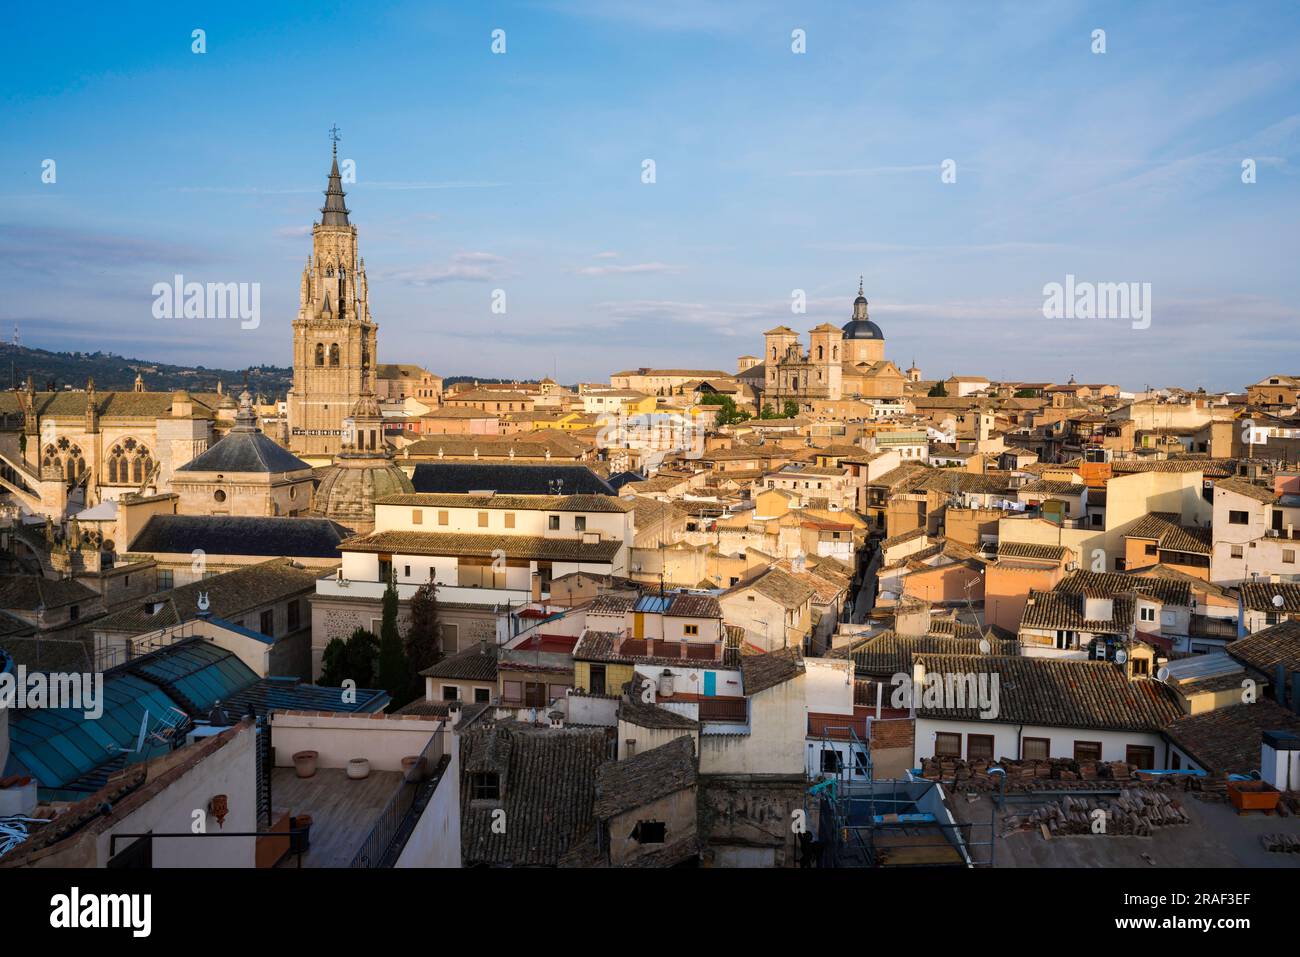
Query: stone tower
[{"x": 334, "y": 339}]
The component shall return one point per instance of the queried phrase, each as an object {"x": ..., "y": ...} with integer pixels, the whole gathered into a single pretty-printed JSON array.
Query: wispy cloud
[
  {"x": 462, "y": 267},
  {"x": 625, "y": 269}
]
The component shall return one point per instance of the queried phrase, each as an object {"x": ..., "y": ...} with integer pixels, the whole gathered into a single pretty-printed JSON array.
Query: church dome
[
  {"x": 861, "y": 326},
  {"x": 350, "y": 487}
]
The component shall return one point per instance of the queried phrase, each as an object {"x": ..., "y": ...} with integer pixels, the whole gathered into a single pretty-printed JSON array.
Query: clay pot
[
  {"x": 413, "y": 767},
  {"x": 358, "y": 768},
  {"x": 304, "y": 763}
]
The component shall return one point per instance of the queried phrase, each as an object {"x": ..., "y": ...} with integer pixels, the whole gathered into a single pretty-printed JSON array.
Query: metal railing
[{"x": 377, "y": 850}]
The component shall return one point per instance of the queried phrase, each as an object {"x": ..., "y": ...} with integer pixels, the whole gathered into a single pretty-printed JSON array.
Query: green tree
[
  {"x": 394, "y": 671},
  {"x": 424, "y": 639},
  {"x": 767, "y": 412},
  {"x": 729, "y": 414},
  {"x": 354, "y": 659},
  {"x": 791, "y": 409},
  {"x": 1025, "y": 394},
  {"x": 938, "y": 391}
]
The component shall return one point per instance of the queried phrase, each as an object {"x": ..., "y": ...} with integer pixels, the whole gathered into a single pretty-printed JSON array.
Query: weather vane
[{"x": 335, "y": 135}]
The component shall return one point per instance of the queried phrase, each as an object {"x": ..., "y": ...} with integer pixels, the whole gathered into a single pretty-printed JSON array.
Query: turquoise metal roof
[
  {"x": 197, "y": 673},
  {"x": 58, "y": 745}
]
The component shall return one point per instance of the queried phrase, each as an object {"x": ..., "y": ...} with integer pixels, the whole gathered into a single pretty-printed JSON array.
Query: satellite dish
[
  {"x": 1163, "y": 674},
  {"x": 985, "y": 647},
  {"x": 1121, "y": 656},
  {"x": 1278, "y": 601}
]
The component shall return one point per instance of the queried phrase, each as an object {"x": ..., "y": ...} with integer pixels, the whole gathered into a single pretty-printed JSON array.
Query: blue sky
[{"x": 775, "y": 172}]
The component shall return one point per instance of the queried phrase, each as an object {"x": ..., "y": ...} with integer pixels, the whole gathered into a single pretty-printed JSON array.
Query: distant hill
[{"x": 113, "y": 373}]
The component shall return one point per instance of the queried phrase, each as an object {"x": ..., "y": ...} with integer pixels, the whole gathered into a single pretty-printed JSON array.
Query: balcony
[{"x": 351, "y": 588}]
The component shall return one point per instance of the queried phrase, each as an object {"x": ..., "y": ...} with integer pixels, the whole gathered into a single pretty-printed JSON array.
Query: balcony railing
[{"x": 383, "y": 845}]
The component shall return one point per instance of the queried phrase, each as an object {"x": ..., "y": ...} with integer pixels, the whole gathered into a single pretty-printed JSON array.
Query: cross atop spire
[
  {"x": 336, "y": 135},
  {"x": 860, "y": 285}
]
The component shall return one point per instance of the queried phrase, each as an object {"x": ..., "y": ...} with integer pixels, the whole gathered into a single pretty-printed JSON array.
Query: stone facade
[{"x": 334, "y": 339}]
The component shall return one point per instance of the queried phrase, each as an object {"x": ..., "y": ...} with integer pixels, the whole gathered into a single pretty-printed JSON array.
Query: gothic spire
[{"x": 334, "y": 212}]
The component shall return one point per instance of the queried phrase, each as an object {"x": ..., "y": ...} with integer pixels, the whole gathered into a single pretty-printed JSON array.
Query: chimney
[
  {"x": 453, "y": 713},
  {"x": 666, "y": 684},
  {"x": 536, "y": 586}
]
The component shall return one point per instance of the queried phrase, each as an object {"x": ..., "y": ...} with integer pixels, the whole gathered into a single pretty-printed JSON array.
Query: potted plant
[
  {"x": 358, "y": 768},
  {"x": 300, "y": 838},
  {"x": 304, "y": 763}
]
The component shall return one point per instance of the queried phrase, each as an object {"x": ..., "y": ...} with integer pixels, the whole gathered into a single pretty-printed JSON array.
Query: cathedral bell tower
[{"x": 334, "y": 338}]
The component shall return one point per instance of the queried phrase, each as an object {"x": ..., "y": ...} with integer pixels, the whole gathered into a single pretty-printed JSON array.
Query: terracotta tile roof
[
  {"x": 760, "y": 672},
  {"x": 230, "y": 595},
  {"x": 1261, "y": 596},
  {"x": 1249, "y": 489},
  {"x": 781, "y": 587},
  {"x": 1229, "y": 739},
  {"x": 1269, "y": 647},
  {"x": 484, "y": 546},
  {"x": 1169, "y": 591},
  {"x": 1051, "y": 553},
  {"x": 1063, "y": 693},
  {"x": 1213, "y": 468},
  {"x": 547, "y": 781},
  {"x": 1163, "y": 527},
  {"x": 645, "y": 777},
  {"x": 1051, "y": 487},
  {"x": 888, "y": 653},
  {"x": 475, "y": 663},
  {"x": 1055, "y": 610}
]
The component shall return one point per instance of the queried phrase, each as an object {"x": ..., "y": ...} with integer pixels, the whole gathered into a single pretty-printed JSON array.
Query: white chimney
[
  {"x": 666, "y": 684},
  {"x": 1279, "y": 760}
]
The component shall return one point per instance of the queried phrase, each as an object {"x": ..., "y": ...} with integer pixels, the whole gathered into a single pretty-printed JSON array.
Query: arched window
[
  {"x": 320, "y": 353},
  {"x": 835, "y": 352},
  {"x": 51, "y": 457},
  {"x": 774, "y": 352},
  {"x": 821, "y": 352},
  {"x": 334, "y": 354}
]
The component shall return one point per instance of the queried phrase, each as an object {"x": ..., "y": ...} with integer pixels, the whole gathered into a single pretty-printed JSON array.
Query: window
[
  {"x": 1238, "y": 518},
  {"x": 450, "y": 693},
  {"x": 650, "y": 832},
  {"x": 74, "y": 612},
  {"x": 442, "y": 518},
  {"x": 482, "y": 695},
  {"x": 417, "y": 516},
  {"x": 691, "y": 631},
  {"x": 165, "y": 578},
  {"x": 482, "y": 519},
  {"x": 1096, "y": 519},
  {"x": 947, "y": 745},
  {"x": 1238, "y": 551},
  {"x": 580, "y": 523},
  {"x": 1288, "y": 556},
  {"x": 1035, "y": 749},
  {"x": 1065, "y": 640},
  {"x": 510, "y": 519},
  {"x": 832, "y": 763},
  {"x": 1143, "y": 756},
  {"x": 534, "y": 694},
  {"x": 553, "y": 522},
  {"x": 1087, "y": 750},
  {"x": 1141, "y": 667},
  {"x": 1147, "y": 613},
  {"x": 266, "y": 624},
  {"x": 1151, "y": 548},
  {"x": 597, "y": 679},
  {"x": 486, "y": 787},
  {"x": 295, "y": 615},
  {"x": 979, "y": 747},
  {"x": 512, "y": 691}
]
